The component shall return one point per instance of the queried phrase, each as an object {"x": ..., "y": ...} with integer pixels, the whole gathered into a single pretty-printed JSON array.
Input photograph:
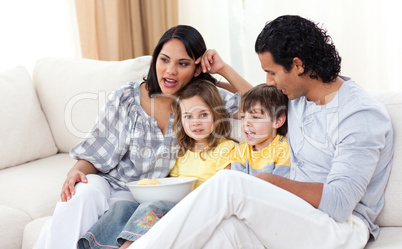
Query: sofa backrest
[
  {"x": 24, "y": 132},
  {"x": 391, "y": 215},
  {"x": 73, "y": 91}
]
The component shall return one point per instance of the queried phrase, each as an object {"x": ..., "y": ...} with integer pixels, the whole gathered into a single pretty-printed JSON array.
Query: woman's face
[{"x": 174, "y": 67}]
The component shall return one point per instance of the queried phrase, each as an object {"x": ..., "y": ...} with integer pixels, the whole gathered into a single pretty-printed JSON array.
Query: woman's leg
[
  {"x": 277, "y": 218},
  {"x": 104, "y": 233},
  {"x": 76, "y": 216}
]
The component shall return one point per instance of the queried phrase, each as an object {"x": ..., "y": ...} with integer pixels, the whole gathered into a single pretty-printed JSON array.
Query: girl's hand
[
  {"x": 69, "y": 185},
  {"x": 211, "y": 62}
]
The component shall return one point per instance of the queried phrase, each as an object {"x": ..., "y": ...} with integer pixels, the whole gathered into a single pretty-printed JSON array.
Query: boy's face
[{"x": 258, "y": 127}]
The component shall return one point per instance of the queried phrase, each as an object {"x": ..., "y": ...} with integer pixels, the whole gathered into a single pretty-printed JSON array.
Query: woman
[{"x": 133, "y": 136}]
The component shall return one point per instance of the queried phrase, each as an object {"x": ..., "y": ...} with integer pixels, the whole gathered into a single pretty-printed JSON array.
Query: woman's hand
[
  {"x": 69, "y": 185},
  {"x": 211, "y": 62},
  {"x": 77, "y": 174}
]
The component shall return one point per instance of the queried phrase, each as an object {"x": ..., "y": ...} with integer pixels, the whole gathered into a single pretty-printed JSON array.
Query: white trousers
[
  {"x": 235, "y": 210},
  {"x": 73, "y": 218}
]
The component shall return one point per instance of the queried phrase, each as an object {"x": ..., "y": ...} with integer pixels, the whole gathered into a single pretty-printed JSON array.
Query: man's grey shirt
[{"x": 347, "y": 145}]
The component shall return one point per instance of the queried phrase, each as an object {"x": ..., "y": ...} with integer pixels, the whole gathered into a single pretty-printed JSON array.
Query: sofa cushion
[
  {"x": 389, "y": 238},
  {"x": 24, "y": 131},
  {"x": 391, "y": 215},
  {"x": 34, "y": 188},
  {"x": 72, "y": 92},
  {"x": 12, "y": 226},
  {"x": 32, "y": 231}
]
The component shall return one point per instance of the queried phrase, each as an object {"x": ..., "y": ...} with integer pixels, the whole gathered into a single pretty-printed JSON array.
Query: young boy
[{"x": 263, "y": 122}]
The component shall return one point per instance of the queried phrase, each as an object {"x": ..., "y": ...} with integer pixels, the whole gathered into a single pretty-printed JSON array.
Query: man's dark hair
[{"x": 288, "y": 37}]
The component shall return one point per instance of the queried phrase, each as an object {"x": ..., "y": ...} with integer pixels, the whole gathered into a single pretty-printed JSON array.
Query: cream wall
[
  {"x": 31, "y": 30},
  {"x": 367, "y": 33}
]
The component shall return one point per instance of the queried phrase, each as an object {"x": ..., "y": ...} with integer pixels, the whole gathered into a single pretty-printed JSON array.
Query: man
[{"x": 341, "y": 151}]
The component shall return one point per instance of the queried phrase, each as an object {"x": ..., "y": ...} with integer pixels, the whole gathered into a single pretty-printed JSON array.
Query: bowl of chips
[{"x": 167, "y": 189}]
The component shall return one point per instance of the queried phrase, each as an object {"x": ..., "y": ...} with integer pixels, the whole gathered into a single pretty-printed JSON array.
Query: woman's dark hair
[
  {"x": 195, "y": 47},
  {"x": 272, "y": 101},
  {"x": 288, "y": 37},
  {"x": 209, "y": 93}
]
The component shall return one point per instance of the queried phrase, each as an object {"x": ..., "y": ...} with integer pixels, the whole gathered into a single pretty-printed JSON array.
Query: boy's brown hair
[{"x": 272, "y": 101}]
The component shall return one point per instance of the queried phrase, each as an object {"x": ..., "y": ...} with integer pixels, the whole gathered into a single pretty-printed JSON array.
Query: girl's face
[
  {"x": 174, "y": 67},
  {"x": 258, "y": 128},
  {"x": 197, "y": 120}
]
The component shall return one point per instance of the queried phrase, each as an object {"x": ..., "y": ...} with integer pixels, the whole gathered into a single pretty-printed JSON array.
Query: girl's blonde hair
[{"x": 208, "y": 92}]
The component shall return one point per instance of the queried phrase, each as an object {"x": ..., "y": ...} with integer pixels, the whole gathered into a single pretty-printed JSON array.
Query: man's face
[{"x": 288, "y": 82}]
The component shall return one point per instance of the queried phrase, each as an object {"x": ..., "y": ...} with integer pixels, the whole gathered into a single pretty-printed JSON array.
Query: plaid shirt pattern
[{"x": 126, "y": 143}]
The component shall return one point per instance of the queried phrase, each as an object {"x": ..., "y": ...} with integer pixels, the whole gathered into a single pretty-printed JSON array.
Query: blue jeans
[{"x": 125, "y": 220}]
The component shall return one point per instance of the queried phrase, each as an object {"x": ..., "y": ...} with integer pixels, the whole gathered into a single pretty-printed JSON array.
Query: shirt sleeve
[
  {"x": 283, "y": 153},
  {"x": 239, "y": 167},
  {"x": 175, "y": 170},
  {"x": 225, "y": 151},
  {"x": 108, "y": 140},
  {"x": 362, "y": 137},
  {"x": 282, "y": 164},
  {"x": 231, "y": 101}
]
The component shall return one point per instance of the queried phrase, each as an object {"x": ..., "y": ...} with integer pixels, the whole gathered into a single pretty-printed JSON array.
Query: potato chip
[{"x": 147, "y": 181}]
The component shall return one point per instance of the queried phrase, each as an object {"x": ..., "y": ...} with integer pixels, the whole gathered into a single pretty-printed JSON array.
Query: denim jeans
[{"x": 125, "y": 220}]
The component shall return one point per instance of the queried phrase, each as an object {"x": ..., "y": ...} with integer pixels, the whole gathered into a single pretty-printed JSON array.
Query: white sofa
[{"x": 43, "y": 116}]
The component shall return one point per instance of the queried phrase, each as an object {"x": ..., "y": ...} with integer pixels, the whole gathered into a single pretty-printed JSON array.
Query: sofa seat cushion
[
  {"x": 34, "y": 187},
  {"x": 391, "y": 215},
  {"x": 389, "y": 238},
  {"x": 24, "y": 131},
  {"x": 32, "y": 231},
  {"x": 73, "y": 90},
  {"x": 12, "y": 226}
]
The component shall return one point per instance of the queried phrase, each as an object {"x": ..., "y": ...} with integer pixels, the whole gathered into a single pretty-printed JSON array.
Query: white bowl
[{"x": 172, "y": 189}]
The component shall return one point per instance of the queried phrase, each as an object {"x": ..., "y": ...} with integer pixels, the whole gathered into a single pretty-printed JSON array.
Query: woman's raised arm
[{"x": 212, "y": 63}]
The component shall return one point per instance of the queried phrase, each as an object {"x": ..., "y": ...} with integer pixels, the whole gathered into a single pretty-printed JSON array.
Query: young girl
[
  {"x": 203, "y": 129},
  {"x": 263, "y": 112},
  {"x": 131, "y": 140}
]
